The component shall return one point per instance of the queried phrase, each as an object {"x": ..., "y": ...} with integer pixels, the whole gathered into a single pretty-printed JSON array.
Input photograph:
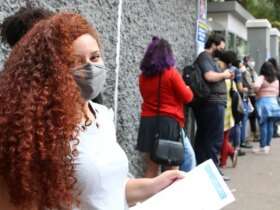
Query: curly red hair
[{"x": 40, "y": 112}]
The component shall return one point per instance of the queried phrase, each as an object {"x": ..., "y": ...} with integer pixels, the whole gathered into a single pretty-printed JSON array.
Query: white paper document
[{"x": 202, "y": 189}]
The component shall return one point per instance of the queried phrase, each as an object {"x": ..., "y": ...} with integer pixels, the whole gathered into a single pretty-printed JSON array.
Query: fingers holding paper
[{"x": 138, "y": 190}]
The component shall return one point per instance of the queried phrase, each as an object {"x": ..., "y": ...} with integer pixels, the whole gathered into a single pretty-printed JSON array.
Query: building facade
[{"x": 229, "y": 19}]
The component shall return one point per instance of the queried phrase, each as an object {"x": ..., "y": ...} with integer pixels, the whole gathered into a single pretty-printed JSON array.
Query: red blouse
[{"x": 174, "y": 93}]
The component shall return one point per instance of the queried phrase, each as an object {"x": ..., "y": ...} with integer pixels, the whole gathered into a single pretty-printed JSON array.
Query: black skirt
[{"x": 167, "y": 127}]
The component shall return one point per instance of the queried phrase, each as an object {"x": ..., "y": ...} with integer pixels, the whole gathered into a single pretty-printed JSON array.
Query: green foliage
[
  {"x": 276, "y": 24},
  {"x": 269, "y": 9}
]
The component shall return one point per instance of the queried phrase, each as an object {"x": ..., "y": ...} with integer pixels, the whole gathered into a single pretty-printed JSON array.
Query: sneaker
[
  {"x": 226, "y": 178},
  {"x": 267, "y": 149},
  {"x": 241, "y": 152},
  {"x": 260, "y": 150},
  {"x": 246, "y": 145}
]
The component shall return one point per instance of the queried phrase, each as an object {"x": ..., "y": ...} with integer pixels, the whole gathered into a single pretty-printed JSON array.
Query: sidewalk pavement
[{"x": 255, "y": 182}]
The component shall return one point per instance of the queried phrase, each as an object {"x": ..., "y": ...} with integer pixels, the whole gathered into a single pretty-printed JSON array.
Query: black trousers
[
  {"x": 210, "y": 131},
  {"x": 253, "y": 115}
]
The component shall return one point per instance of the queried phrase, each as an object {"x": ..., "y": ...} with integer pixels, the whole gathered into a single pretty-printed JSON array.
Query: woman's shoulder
[
  {"x": 261, "y": 77},
  {"x": 172, "y": 72},
  {"x": 276, "y": 83},
  {"x": 99, "y": 107},
  {"x": 172, "y": 75},
  {"x": 172, "y": 69}
]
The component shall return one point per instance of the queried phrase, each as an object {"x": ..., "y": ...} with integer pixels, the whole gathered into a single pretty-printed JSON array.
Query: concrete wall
[
  {"x": 229, "y": 23},
  {"x": 141, "y": 19},
  {"x": 220, "y": 18},
  {"x": 274, "y": 47},
  {"x": 237, "y": 27},
  {"x": 274, "y": 43},
  {"x": 259, "y": 41}
]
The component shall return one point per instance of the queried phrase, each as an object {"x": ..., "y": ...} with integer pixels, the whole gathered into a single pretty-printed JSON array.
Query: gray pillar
[
  {"x": 274, "y": 43},
  {"x": 259, "y": 40}
]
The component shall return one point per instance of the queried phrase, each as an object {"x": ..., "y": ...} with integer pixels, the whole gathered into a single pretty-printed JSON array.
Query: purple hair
[{"x": 158, "y": 57}]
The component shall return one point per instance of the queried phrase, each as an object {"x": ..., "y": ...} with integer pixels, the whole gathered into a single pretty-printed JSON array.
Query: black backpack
[{"x": 193, "y": 77}]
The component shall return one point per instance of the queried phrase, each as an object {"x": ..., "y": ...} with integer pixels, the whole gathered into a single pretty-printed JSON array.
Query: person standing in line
[
  {"x": 210, "y": 113},
  {"x": 249, "y": 77},
  {"x": 58, "y": 150},
  {"x": 164, "y": 95},
  {"x": 268, "y": 109},
  {"x": 276, "y": 66},
  {"x": 236, "y": 131},
  {"x": 226, "y": 59}
]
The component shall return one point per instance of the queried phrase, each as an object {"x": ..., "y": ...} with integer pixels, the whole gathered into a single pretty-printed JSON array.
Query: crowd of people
[
  {"x": 58, "y": 147},
  {"x": 238, "y": 93}
]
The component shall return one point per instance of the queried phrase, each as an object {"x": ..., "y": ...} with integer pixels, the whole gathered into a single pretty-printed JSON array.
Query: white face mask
[
  {"x": 243, "y": 69},
  {"x": 91, "y": 79},
  {"x": 251, "y": 64}
]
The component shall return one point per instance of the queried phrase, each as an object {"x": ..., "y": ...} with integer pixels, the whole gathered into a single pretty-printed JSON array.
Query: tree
[{"x": 269, "y": 9}]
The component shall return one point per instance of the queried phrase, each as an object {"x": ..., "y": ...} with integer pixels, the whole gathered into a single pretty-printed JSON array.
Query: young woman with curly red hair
[
  {"x": 58, "y": 150},
  {"x": 15, "y": 26}
]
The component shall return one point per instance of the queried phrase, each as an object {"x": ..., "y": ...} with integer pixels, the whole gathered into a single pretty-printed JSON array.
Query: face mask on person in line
[
  {"x": 243, "y": 69},
  {"x": 90, "y": 79},
  {"x": 251, "y": 64},
  {"x": 217, "y": 53}
]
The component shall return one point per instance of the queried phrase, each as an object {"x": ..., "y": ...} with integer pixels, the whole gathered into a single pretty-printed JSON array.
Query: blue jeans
[
  {"x": 235, "y": 135},
  {"x": 189, "y": 155},
  {"x": 244, "y": 121},
  {"x": 266, "y": 130},
  {"x": 244, "y": 127}
]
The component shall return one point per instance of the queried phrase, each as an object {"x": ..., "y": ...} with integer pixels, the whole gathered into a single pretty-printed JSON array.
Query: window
[
  {"x": 241, "y": 46},
  {"x": 230, "y": 41}
]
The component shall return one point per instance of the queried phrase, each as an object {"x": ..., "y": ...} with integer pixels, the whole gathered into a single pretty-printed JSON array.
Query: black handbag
[
  {"x": 166, "y": 151},
  {"x": 237, "y": 106}
]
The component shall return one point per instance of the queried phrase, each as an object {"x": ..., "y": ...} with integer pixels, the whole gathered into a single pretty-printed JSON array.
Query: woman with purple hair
[{"x": 164, "y": 94}]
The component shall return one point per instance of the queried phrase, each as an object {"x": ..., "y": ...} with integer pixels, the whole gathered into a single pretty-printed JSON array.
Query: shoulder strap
[
  {"x": 158, "y": 106},
  {"x": 158, "y": 112}
]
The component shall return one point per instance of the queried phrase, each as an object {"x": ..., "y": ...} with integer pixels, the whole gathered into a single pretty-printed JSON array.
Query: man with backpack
[{"x": 209, "y": 110}]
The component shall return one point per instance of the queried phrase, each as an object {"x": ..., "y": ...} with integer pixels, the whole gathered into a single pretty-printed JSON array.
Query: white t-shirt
[{"x": 102, "y": 166}]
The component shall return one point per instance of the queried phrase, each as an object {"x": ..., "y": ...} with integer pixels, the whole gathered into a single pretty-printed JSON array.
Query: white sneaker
[
  {"x": 260, "y": 150},
  {"x": 267, "y": 149}
]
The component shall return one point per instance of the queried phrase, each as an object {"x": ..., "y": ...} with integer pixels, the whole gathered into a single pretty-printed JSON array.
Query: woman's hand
[
  {"x": 165, "y": 179},
  {"x": 138, "y": 190}
]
